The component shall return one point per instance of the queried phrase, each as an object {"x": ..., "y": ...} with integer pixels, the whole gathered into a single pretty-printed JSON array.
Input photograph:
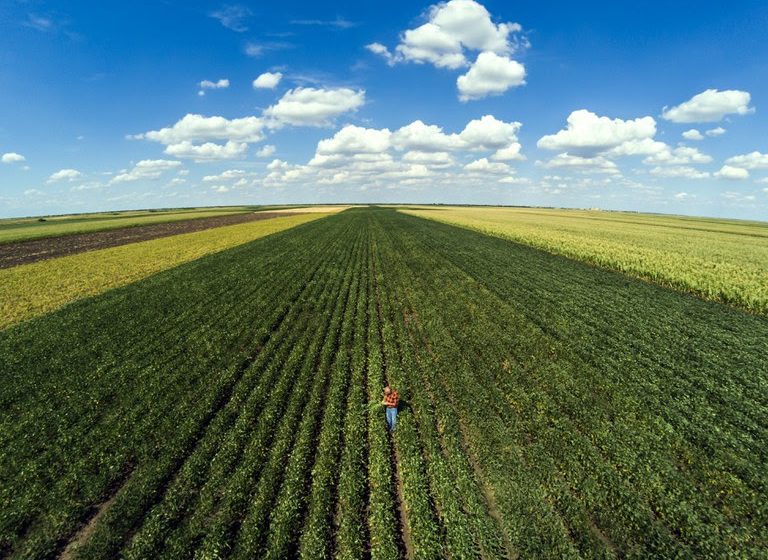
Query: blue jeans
[{"x": 391, "y": 418}]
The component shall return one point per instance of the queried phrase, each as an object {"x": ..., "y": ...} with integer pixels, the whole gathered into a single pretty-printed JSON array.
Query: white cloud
[
  {"x": 197, "y": 128},
  {"x": 490, "y": 133},
  {"x": 382, "y": 51},
  {"x": 425, "y": 138},
  {"x": 682, "y": 195},
  {"x": 267, "y": 80},
  {"x": 430, "y": 159},
  {"x": 338, "y": 22},
  {"x": 681, "y": 155},
  {"x": 753, "y": 160},
  {"x": 353, "y": 139},
  {"x": 485, "y": 166},
  {"x": 65, "y": 175},
  {"x": 266, "y": 151},
  {"x": 12, "y": 157},
  {"x": 229, "y": 175},
  {"x": 491, "y": 74},
  {"x": 509, "y": 180},
  {"x": 693, "y": 134},
  {"x": 589, "y": 133},
  {"x": 208, "y": 84},
  {"x": 207, "y": 151},
  {"x": 644, "y": 147},
  {"x": 451, "y": 27},
  {"x": 220, "y": 189},
  {"x": 710, "y": 106},
  {"x": 232, "y": 17},
  {"x": 315, "y": 106},
  {"x": 597, "y": 164},
  {"x": 146, "y": 169},
  {"x": 679, "y": 172},
  {"x": 732, "y": 173},
  {"x": 719, "y": 131}
]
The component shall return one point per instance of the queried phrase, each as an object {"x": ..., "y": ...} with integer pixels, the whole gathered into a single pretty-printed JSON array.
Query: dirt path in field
[
  {"x": 402, "y": 514},
  {"x": 411, "y": 320},
  {"x": 87, "y": 530},
  {"x": 24, "y": 252},
  {"x": 406, "y": 541}
]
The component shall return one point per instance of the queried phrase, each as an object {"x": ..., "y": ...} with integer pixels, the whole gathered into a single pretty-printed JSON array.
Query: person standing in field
[{"x": 390, "y": 401}]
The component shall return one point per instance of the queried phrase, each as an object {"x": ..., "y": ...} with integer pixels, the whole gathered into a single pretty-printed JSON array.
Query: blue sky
[{"x": 107, "y": 105}]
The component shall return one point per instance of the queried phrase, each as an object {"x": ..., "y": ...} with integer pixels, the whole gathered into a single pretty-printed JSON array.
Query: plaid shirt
[{"x": 391, "y": 399}]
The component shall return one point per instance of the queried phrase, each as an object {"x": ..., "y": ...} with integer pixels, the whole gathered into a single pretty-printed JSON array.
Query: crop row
[
  {"x": 721, "y": 260},
  {"x": 31, "y": 290},
  {"x": 228, "y": 408},
  {"x": 620, "y": 466}
]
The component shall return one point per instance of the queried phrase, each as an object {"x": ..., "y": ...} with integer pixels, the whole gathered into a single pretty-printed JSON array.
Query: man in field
[{"x": 390, "y": 401}]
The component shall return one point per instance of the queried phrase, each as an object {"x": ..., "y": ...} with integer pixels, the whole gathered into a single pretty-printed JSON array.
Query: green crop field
[
  {"x": 226, "y": 407},
  {"x": 721, "y": 260}
]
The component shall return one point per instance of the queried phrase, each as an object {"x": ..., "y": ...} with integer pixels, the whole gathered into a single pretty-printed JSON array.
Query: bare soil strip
[
  {"x": 85, "y": 532},
  {"x": 24, "y": 252}
]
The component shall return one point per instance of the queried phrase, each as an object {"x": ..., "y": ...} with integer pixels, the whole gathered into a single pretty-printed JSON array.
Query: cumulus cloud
[
  {"x": 424, "y": 138},
  {"x": 266, "y": 151},
  {"x": 597, "y": 164},
  {"x": 453, "y": 29},
  {"x": 682, "y": 195},
  {"x": 729, "y": 172},
  {"x": 711, "y": 105},
  {"x": 207, "y": 151},
  {"x": 267, "y": 80},
  {"x": 228, "y": 175},
  {"x": 681, "y": 155},
  {"x": 146, "y": 169},
  {"x": 693, "y": 134},
  {"x": 354, "y": 140},
  {"x": 430, "y": 159},
  {"x": 65, "y": 175},
  {"x": 413, "y": 154},
  {"x": 315, "y": 106},
  {"x": 488, "y": 132},
  {"x": 197, "y": 128},
  {"x": 679, "y": 172},
  {"x": 12, "y": 157},
  {"x": 484, "y": 166},
  {"x": 587, "y": 132},
  {"x": 753, "y": 160},
  {"x": 719, "y": 131},
  {"x": 491, "y": 74}
]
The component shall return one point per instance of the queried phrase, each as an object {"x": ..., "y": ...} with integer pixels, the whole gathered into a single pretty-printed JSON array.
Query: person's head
[{"x": 387, "y": 390}]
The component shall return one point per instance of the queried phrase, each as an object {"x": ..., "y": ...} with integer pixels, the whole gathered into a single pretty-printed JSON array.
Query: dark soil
[{"x": 23, "y": 252}]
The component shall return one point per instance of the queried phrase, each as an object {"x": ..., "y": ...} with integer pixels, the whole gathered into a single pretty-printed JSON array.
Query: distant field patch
[
  {"x": 34, "y": 289},
  {"x": 313, "y": 209},
  {"x": 20, "y": 229},
  {"x": 719, "y": 260}
]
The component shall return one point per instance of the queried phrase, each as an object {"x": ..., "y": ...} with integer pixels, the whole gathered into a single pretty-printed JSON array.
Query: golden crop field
[
  {"x": 720, "y": 260},
  {"x": 37, "y": 288}
]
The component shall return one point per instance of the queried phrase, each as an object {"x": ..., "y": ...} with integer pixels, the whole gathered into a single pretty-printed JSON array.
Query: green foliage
[
  {"x": 230, "y": 407},
  {"x": 30, "y": 290},
  {"x": 719, "y": 260}
]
